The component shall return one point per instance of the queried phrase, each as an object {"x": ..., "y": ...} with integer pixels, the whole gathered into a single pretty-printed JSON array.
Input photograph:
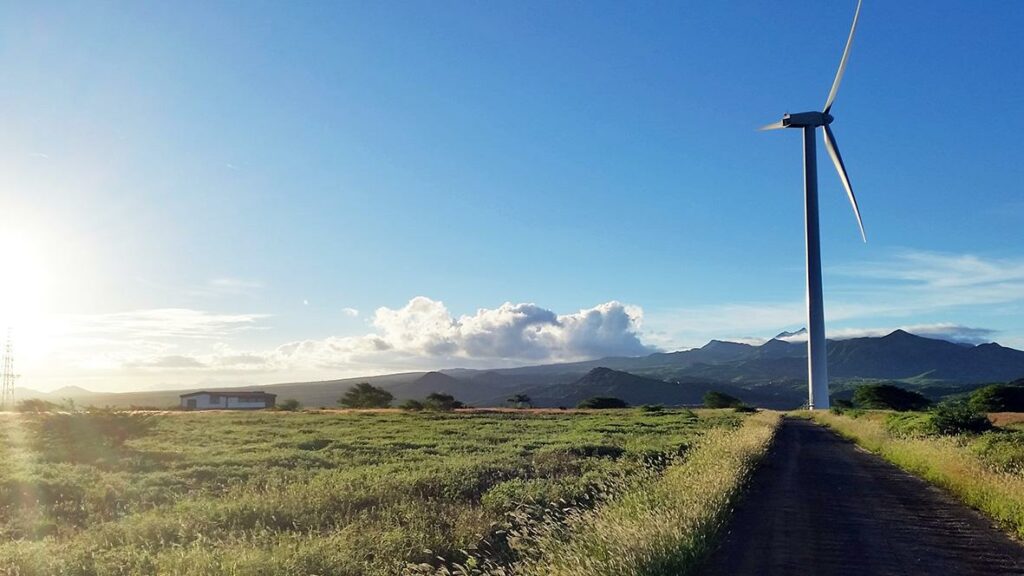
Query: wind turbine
[{"x": 817, "y": 355}]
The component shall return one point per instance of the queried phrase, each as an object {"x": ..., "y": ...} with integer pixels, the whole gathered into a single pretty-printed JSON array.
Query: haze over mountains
[{"x": 772, "y": 374}]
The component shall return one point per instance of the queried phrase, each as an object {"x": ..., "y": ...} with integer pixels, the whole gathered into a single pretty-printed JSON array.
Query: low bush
[
  {"x": 88, "y": 435},
  {"x": 958, "y": 418},
  {"x": 888, "y": 397},
  {"x": 1004, "y": 451},
  {"x": 289, "y": 405},
  {"x": 442, "y": 402},
  {"x": 603, "y": 402},
  {"x": 652, "y": 408},
  {"x": 35, "y": 405},
  {"x": 715, "y": 399},
  {"x": 411, "y": 405},
  {"x": 910, "y": 424}
]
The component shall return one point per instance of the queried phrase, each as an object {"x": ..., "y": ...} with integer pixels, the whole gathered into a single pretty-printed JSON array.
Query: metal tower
[{"x": 8, "y": 377}]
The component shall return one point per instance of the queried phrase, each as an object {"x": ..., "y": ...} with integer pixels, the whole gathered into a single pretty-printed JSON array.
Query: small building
[{"x": 229, "y": 400}]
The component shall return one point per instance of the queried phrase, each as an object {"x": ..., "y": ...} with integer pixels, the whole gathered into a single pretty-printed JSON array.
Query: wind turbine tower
[
  {"x": 8, "y": 377},
  {"x": 808, "y": 122}
]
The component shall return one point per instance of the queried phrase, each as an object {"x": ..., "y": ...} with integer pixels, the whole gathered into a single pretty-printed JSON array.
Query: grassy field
[
  {"x": 365, "y": 492},
  {"x": 986, "y": 471}
]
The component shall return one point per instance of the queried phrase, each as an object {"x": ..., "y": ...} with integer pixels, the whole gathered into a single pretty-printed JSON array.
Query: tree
[
  {"x": 289, "y": 405},
  {"x": 716, "y": 399},
  {"x": 365, "y": 395},
  {"x": 603, "y": 402},
  {"x": 520, "y": 401},
  {"x": 998, "y": 398},
  {"x": 888, "y": 397},
  {"x": 441, "y": 402}
]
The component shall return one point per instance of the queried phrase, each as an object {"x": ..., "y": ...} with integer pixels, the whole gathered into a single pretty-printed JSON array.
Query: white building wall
[{"x": 222, "y": 402}]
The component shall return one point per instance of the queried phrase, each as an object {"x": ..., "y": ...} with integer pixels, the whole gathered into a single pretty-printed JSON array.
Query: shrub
[
  {"x": 84, "y": 436},
  {"x": 289, "y": 405},
  {"x": 652, "y": 408},
  {"x": 365, "y": 395},
  {"x": 888, "y": 397},
  {"x": 910, "y": 424},
  {"x": 35, "y": 405},
  {"x": 1003, "y": 451},
  {"x": 602, "y": 403},
  {"x": 958, "y": 418},
  {"x": 998, "y": 398},
  {"x": 744, "y": 409},
  {"x": 715, "y": 399},
  {"x": 842, "y": 403},
  {"x": 442, "y": 402},
  {"x": 412, "y": 405}
]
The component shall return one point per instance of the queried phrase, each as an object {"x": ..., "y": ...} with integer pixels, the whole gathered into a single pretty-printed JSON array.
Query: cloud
[
  {"x": 909, "y": 283},
  {"x": 940, "y": 330},
  {"x": 350, "y": 312},
  {"x": 424, "y": 332},
  {"x": 172, "y": 361},
  {"x": 160, "y": 323}
]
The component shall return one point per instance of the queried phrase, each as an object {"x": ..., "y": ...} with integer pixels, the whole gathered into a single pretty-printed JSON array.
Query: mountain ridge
[{"x": 771, "y": 374}]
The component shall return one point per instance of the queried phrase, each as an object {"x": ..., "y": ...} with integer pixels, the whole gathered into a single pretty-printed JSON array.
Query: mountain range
[{"x": 772, "y": 374}]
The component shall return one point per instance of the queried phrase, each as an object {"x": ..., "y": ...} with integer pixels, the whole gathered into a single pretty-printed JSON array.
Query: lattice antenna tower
[{"x": 8, "y": 377}]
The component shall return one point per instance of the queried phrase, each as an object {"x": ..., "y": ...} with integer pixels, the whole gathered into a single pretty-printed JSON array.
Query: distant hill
[
  {"x": 773, "y": 374},
  {"x": 638, "y": 390}
]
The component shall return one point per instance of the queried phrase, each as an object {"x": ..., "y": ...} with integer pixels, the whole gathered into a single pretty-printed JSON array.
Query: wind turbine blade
[
  {"x": 842, "y": 63},
  {"x": 773, "y": 126},
  {"x": 833, "y": 152}
]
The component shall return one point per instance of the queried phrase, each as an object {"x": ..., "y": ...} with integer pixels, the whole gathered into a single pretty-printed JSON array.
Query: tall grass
[
  {"x": 949, "y": 462},
  {"x": 305, "y": 493},
  {"x": 663, "y": 525}
]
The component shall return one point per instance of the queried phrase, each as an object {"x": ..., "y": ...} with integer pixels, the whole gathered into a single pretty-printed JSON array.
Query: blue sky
[{"x": 227, "y": 193}]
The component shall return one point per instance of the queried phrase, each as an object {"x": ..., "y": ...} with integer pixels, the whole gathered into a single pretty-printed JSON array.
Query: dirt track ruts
[{"x": 821, "y": 506}]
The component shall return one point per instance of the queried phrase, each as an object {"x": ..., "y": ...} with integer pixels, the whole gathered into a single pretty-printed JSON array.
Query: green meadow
[{"x": 364, "y": 492}]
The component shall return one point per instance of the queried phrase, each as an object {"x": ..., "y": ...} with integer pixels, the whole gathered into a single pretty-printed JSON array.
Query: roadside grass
[
  {"x": 375, "y": 493},
  {"x": 986, "y": 471},
  {"x": 663, "y": 525}
]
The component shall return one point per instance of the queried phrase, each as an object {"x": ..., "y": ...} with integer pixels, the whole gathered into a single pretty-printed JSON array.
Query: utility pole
[{"x": 8, "y": 377}]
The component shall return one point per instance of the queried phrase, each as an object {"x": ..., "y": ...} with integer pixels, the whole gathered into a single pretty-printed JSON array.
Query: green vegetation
[
  {"x": 603, "y": 403},
  {"x": 519, "y": 401},
  {"x": 948, "y": 418},
  {"x": 888, "y": 397},
  {"x": 376, "y": 493},
  {"x": 985, "y": 470},
  {"x": 998, "y": 398},
  {"x": 289, "y": 405},
  {"x": 365, "y": 395},
  {"x": 35, "y": 405},
  {"x": 663, "y": 524},
  {"x": 715, "y": 399},
  {"x": 441, "y": 402}
]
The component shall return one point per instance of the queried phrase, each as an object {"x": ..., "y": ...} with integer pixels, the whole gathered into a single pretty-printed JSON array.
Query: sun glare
[{"x": 24, "y": 288}]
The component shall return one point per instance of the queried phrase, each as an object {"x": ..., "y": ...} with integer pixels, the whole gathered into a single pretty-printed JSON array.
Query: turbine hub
[{"x": 805, "y": 119}]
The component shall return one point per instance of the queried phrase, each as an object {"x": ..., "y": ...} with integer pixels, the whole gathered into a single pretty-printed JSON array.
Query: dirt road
[{"x": 821, "y": 506}]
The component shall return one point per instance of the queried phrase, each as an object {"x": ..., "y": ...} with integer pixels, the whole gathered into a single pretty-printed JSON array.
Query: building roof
[{"x": 229, "y": 393}]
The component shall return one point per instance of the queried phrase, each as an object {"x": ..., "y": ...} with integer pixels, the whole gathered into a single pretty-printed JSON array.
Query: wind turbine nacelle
[{"x": 805, "y": 119}]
